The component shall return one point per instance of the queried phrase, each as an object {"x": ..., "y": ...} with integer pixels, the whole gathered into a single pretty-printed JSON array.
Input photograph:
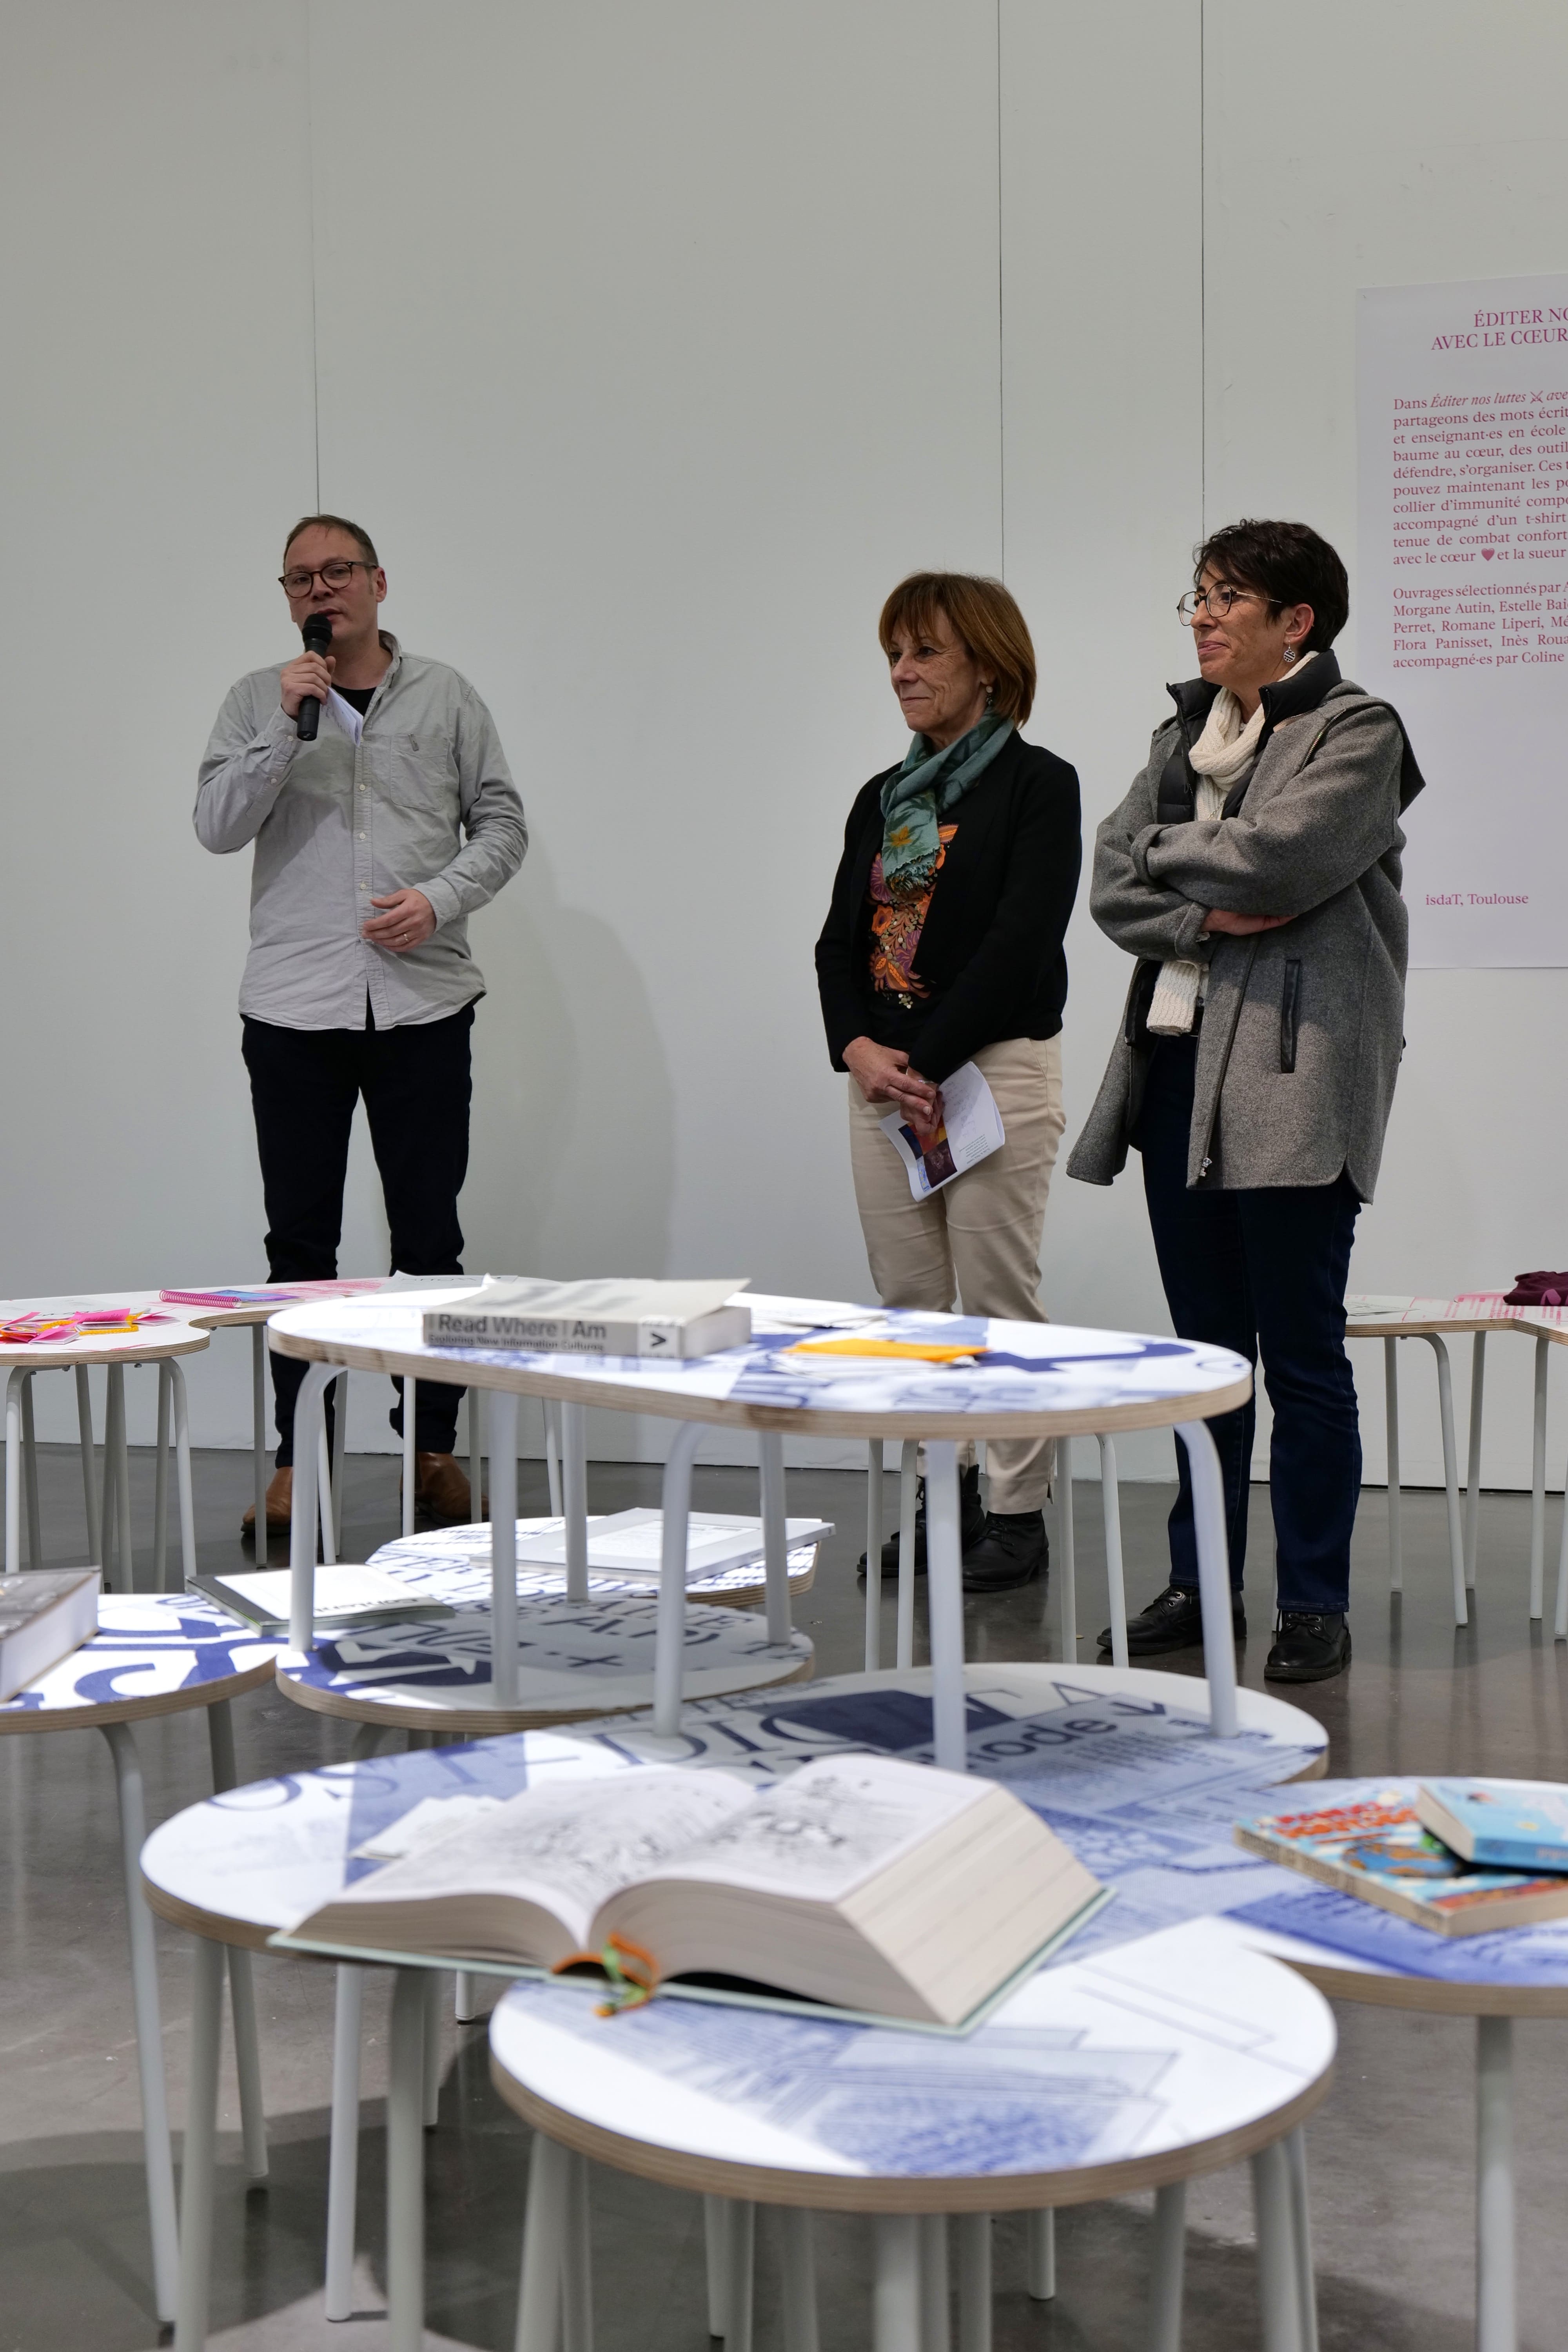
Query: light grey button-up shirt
[{"x": 338, "y": 823}]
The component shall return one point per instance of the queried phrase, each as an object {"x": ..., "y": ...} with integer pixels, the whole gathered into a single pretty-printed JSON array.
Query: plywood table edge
[
  {"x": 419, "y": 1714},
  {"x": 1159, "y": 1412},
  {"x": 861, "y": 2193},
  {"x": 140, "y": 1349},
  {"x": 1431, "y": 1996},
  {"x": 141, "y": 1710}
]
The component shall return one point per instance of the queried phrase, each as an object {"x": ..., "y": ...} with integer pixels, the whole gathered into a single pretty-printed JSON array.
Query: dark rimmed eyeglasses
[
  {"x": 1215, "y": 601},
  {"x": 335, "y": 574}
]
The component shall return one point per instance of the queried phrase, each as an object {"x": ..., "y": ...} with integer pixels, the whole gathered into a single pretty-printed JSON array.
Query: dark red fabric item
[{"x": 1538, "y": 1290}]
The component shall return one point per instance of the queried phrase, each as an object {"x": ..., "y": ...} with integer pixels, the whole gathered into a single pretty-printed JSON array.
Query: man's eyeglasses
[
  {"x": 1217, "y": 602},
  {"x": 335, "y": 574}
]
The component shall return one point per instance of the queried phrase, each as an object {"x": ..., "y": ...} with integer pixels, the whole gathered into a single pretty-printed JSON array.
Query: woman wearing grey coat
[{"x": 1254, "y": 871}]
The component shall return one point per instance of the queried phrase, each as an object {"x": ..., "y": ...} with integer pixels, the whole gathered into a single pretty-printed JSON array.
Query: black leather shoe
[
  {"x": 1013, "y": 1550},
  {"x": 970, "y": 1524},
  {"x": 1311, "y": 1646},
  {"x": 1172, "y": 1620}
]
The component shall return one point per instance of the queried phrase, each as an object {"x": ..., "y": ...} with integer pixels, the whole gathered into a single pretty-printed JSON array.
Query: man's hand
[
  {"x": 883, "y": 1075},
  {"x": 1241, "y": 927},
  {"x": 408, "y": 922},
  {"x": 306, "y": 673}
]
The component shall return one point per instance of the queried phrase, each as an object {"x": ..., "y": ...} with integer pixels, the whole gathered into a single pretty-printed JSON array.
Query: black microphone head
[{"x": 316, "y": 631}]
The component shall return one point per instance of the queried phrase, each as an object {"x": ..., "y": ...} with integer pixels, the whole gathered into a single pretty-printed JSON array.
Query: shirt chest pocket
[{"x": 416, "y": 774}]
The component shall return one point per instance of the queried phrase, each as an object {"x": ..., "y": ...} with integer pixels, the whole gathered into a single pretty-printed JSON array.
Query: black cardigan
[{"x": 990, "y": 949}]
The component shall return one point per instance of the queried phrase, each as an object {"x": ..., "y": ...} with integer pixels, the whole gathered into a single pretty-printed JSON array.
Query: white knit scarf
[{"x": 1222, "y": 757}]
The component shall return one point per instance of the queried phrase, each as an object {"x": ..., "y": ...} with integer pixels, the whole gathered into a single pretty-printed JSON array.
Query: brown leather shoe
[
  {"x": 279, "y": 1507},
  {"x": 441, "y": 1489}
]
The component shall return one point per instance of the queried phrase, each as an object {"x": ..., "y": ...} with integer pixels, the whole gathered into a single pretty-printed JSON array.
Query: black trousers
[
  {"x": 1261, "y": 1271},
  {"x": 417, "y": 1084}
]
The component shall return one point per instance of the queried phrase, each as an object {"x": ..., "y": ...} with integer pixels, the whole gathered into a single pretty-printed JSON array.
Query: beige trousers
[{"x": 977, "y": 1240}]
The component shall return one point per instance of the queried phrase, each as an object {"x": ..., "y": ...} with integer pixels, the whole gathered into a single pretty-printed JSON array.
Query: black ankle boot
[
  {"x": 970, "y": 1524},
  {"x": 1012, "y": 1551}
]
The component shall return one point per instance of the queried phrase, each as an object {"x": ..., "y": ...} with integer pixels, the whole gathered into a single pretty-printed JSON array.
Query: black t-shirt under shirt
[{"x": 359, "y": 696}]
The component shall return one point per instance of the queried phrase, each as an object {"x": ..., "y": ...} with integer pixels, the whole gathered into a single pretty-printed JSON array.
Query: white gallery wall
[{"x": 653, "y": 346}]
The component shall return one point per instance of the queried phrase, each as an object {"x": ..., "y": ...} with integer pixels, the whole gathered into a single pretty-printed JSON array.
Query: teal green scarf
[{"x": 929, "y": 784}]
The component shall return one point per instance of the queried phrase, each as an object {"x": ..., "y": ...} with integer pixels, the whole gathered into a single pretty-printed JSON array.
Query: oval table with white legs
[
  {"x": 1141, "y": 2068},
  {"x": 1010, "y": 1379},
  {"x": 158, "y": 1654},
  {"x": 164, "y": 1338},
  {"x": 242, "y": 1867}
]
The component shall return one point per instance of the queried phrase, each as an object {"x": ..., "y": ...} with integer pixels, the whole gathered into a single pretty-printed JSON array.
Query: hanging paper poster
[{"x": 1461, "y": 600}]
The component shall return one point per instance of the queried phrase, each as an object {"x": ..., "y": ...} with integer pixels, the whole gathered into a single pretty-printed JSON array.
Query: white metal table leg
[
  {"x": 260, "y": 1466},
  {"x": 302, "y": 1524},
  {"x": 936, "y": 2326},
  {"x": 88, "y": 1466},
  {"x": 1067, "y": 1566},
  {"x": 14, "y": 1387},
  {"x": 504, "y": 1546},
  {"x": 1167, "y": 2267},
  {"x": 1214, "y": 1574},
  {"x": 739, "y": 2250},
  {"x": 343, "y": 2162},
  {"x": 465, "y": 1997},
  {"x": 974, "y": 2282},
  {"x": 577, "y": 2264},
  {"x": 1391, "y": 1425},
  {"x": 944, "y": 1602},
  {"x": 410, "y": 1451},
  {"x": 775, "y": 1537},
  {"x": 874, "y": 1556},
  {"x": 670, "y": 1647},
  {"x": 896, "y": 2324},
  {"x": 148, "y": 2029},
  {"x": 339, "y": 1455},
  {"x": 406, "y": 2167},
  {"x": 1560, "y": 1622},
  {"x": 196, "y": 2170},
  {"x": 552, "y": 1459},
  {"x": 324, "y": 1493},
  {"x": 904, "y": 1645},
  {"x": 432, "y": 2048},
  {"x": 117, "y": 1484},
  {"x": 1473, "y": 1464},
  {"x": 242, "y": 1988},
  {"x": 476, "y": 1453},
  {"x": 1041, "y": 2256},
  {"x": 1538, "y": 1482},
  {"x": 1295, "y": 2147},
  {"x": 30, "y": 1476},
  {"x": 1277, "y": 2278},
  {"x": 797, "y": 2250},
  {"x": 161, "y": 1479},
  {"x": 183, "y": 1471},
  {"x": 1110, "y": 1505},
  {"x": 716, "y": 2235},
  {"x": 574, "y": 1497},
  {"x": 1450, "y": 1474},
  {"x": 1496, "y": 2323},
  {"x": 543, "y": 2229}
]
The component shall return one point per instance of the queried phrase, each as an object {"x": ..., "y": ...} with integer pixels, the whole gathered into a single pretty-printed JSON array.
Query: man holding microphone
[{"x": 376, "y": 835}]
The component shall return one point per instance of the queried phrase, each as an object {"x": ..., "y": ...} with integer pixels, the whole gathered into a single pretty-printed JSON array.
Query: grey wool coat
[{"x": 1303, "y": 1026}]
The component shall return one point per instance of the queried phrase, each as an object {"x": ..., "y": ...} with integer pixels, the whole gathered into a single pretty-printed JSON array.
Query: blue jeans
[{"x": 1262, "y": 1272}]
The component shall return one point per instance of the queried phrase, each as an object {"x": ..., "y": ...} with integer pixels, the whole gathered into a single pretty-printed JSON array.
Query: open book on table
[{"x": 861, "y": 1880}]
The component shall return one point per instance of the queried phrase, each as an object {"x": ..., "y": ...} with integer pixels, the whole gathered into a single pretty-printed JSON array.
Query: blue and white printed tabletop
[
  {"x": 1112, "y": 1758},
  {"x": 1176, "y": 2048},
  {"x": 461, "y": 1556},
  {"x": 574, "y": 1658},
  {"x": 153, "y": 1653},
  {"x": 1037, "y": 1374}
]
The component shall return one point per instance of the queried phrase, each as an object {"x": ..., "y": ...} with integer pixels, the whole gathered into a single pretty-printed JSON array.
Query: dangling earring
[
  {"x": 991, "y": 698},
  {"x": 1289, "y": 653}
]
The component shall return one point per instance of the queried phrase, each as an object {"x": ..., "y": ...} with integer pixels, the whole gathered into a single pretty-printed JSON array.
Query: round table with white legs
[
  {"x": 158, "y": 1654},
  {"x": 1139, "y": 2069},
  {"x": 164, "y": 1338},
  {"x": 1042, "y": 1379},
  {"x": 243, "y": 1866}
]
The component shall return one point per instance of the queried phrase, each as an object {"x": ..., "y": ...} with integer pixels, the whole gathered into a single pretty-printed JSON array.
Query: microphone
[{"x": 317, "y": 632}]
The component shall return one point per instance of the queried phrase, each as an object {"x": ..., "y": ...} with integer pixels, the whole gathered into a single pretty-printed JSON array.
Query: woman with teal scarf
[{"x": 943, "y": 946}]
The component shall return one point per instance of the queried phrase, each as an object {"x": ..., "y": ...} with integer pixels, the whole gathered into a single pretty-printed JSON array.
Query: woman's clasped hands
[{"x": 883, "y": 1074}]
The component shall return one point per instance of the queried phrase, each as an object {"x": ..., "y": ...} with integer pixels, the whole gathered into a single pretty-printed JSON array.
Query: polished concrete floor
[{"x": 1392, "y": 2172}]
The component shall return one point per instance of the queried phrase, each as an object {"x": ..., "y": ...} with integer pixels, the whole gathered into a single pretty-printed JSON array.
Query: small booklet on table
[
  {"x": 344, "y": 1596},
  {"x": 971, "y": 1132},
  {"x": 674, "y": 1320},
  {"x": 631, "y": 1543},
  {"x": 863, "y": 1882},
  {"x": 1384, "y": 1854},
  {"x": 1500, "y": 1824}
]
